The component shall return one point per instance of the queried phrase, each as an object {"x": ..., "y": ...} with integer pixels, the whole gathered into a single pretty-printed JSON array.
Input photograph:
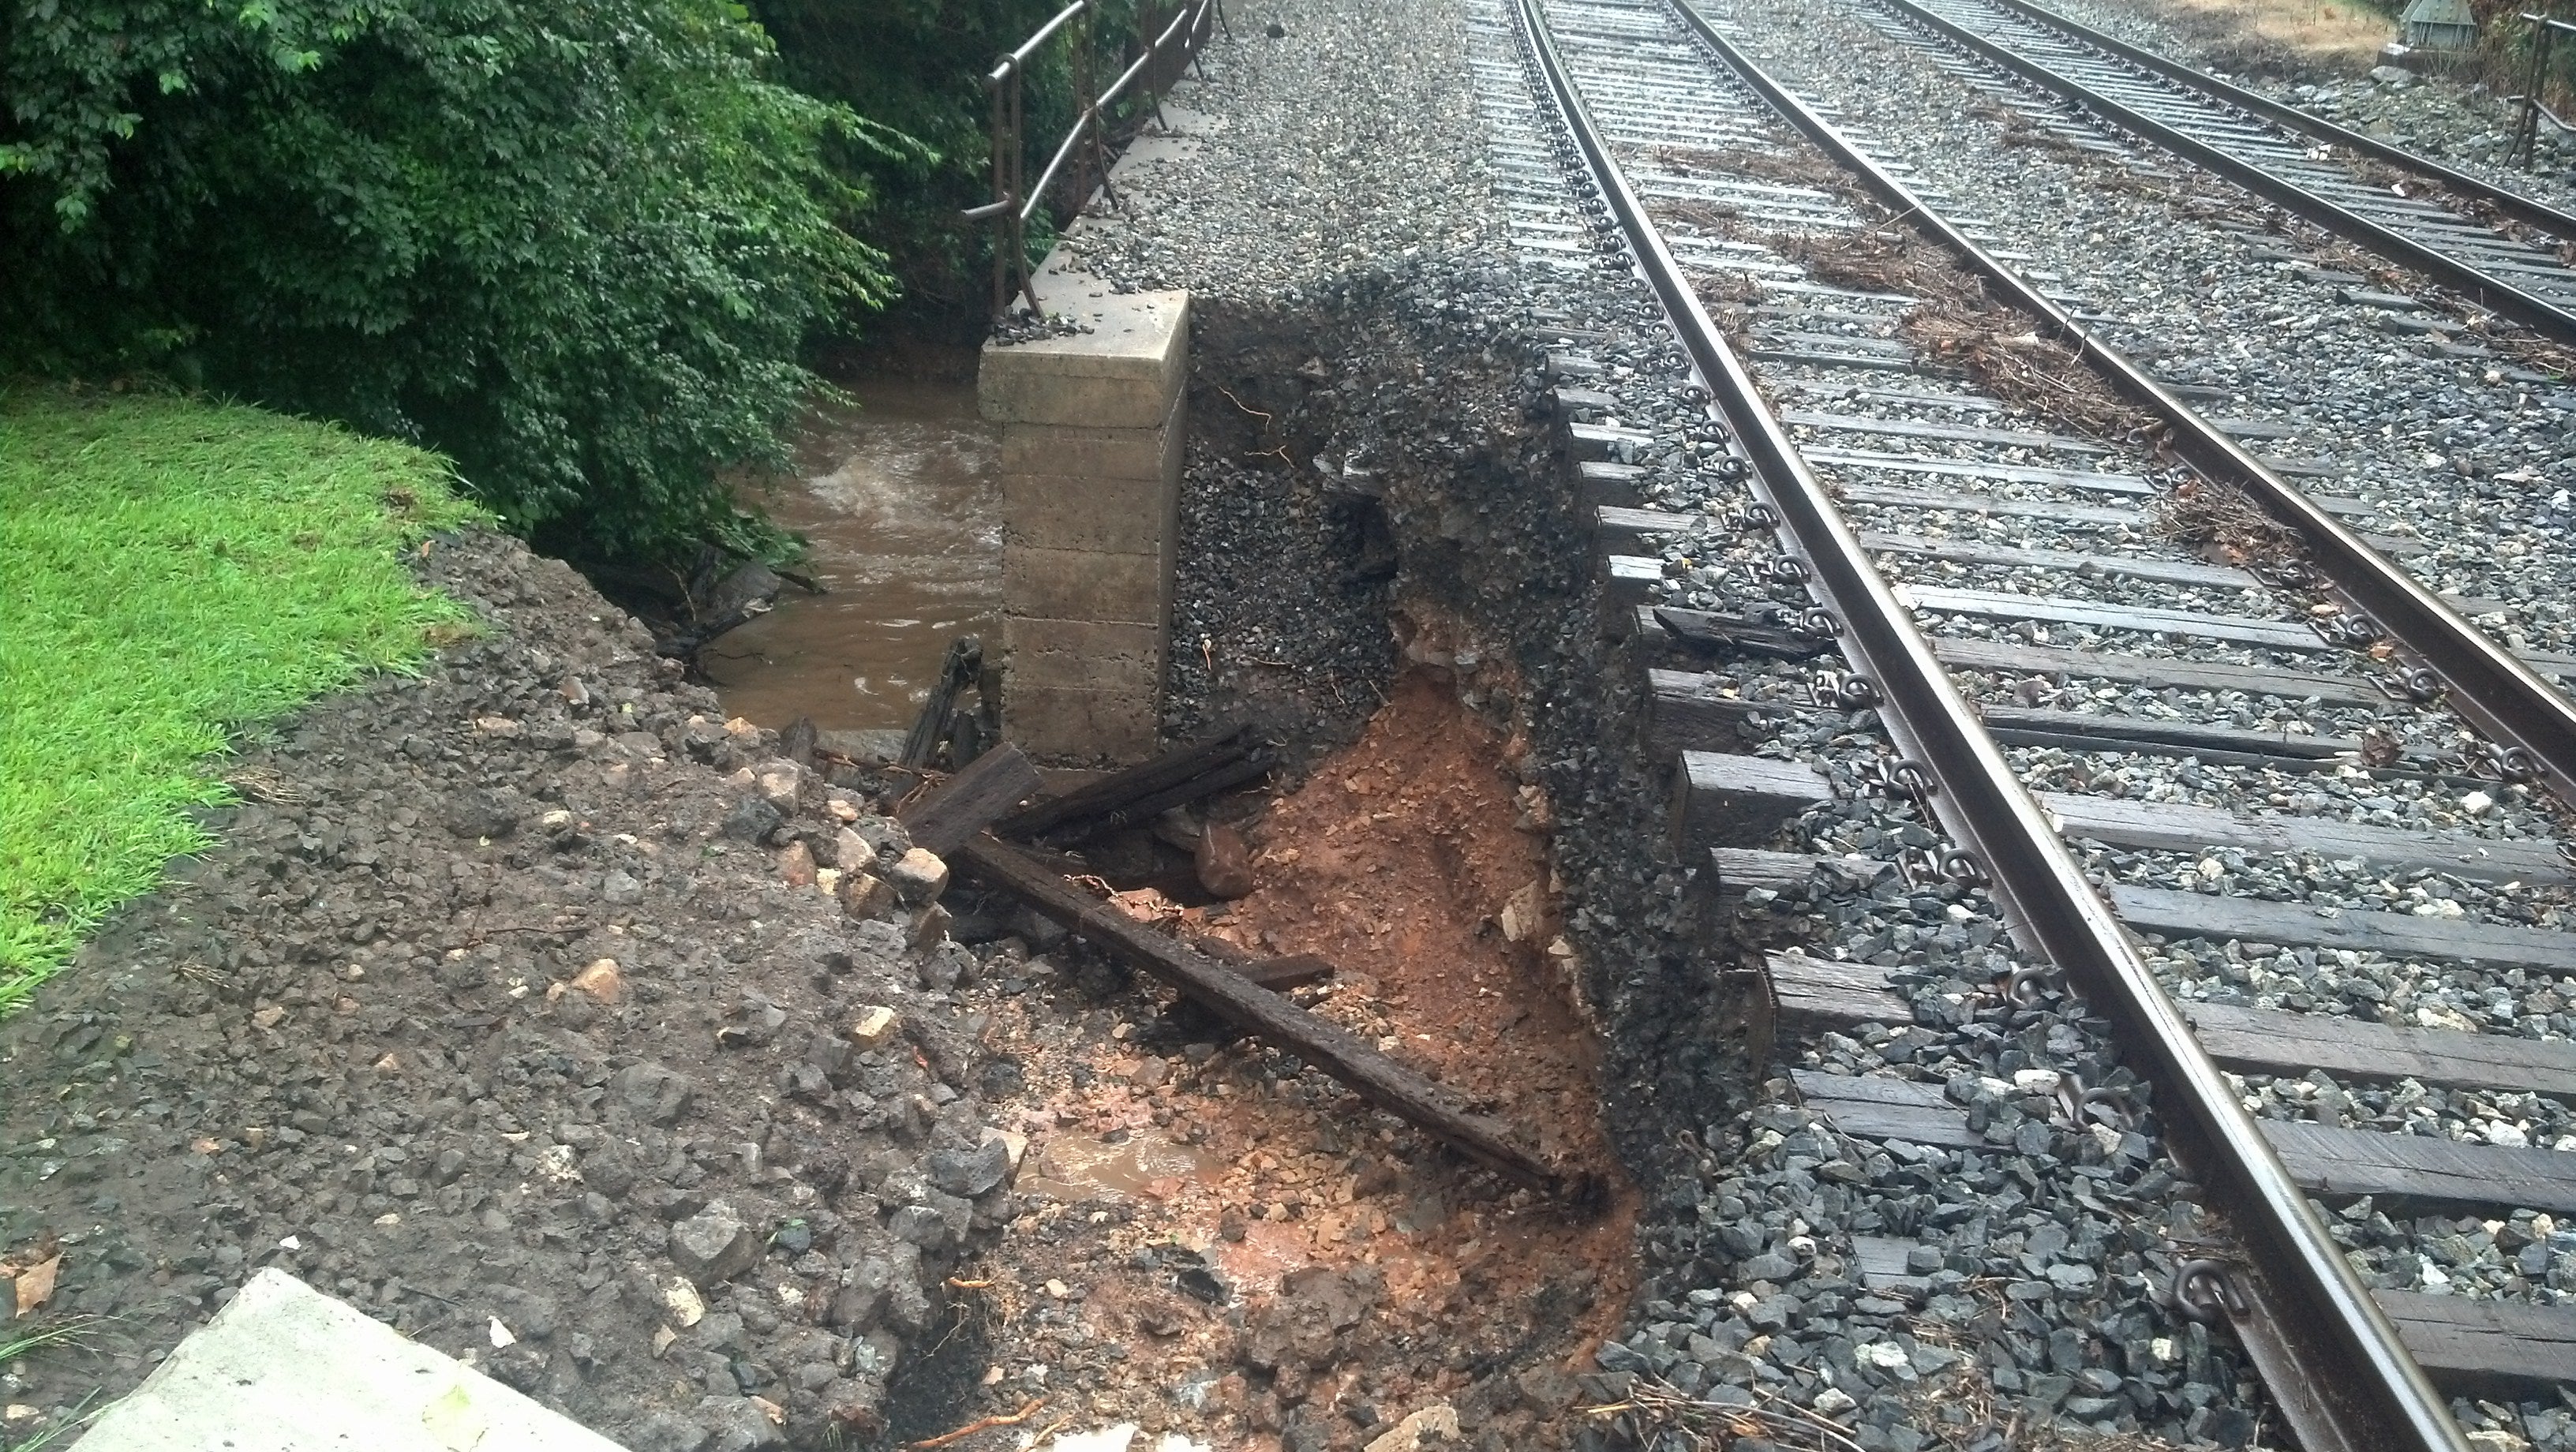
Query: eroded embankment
[
  {"x": 1217, "y": 1244},
  {"x": 1211, "y": 1243}
]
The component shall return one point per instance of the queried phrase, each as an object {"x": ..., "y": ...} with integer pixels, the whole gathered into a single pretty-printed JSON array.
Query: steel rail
[
  {"x": 2339, "y": 1368},
  {"x": 2491, "y": 292},
  {"x": 2484, "y": 682},
  {"x": 2513, "y": 204}
]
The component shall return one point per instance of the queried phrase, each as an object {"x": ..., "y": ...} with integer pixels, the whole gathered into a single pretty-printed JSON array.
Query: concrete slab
[
  {"x": 284, "y": 1368},
  {"x": 1123, "y": 374}
]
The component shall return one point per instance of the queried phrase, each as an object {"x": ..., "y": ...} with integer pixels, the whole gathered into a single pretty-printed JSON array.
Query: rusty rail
[{"x": 1165, "y": 48}]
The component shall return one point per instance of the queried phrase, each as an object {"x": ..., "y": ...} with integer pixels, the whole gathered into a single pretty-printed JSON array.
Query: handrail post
[
  {"x": 1190, "y": 25},
  {"x": 2526, "y": 127},
  {"x": 1001, "y": 196}
]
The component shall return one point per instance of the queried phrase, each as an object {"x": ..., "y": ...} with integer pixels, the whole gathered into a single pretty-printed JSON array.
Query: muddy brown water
[{"x": 899, "y": 499}]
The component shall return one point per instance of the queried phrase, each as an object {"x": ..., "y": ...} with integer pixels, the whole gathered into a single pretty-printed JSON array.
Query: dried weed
[
  {"x": 2222, "y": 523},
  {"x": 1958, "y": 324}
]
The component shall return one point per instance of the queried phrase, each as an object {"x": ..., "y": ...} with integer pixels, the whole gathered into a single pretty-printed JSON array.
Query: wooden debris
[
  {"x": 931, "y": 729},
  {"x": 1140, "y": 793},
  {"x": 1256, "y": 1010},
  {"x": 963, "y": 805},
  {"x": 1276, "y": 974}
]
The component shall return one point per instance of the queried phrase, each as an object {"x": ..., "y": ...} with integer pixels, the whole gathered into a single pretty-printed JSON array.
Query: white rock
[
  {"x": 1406, "y": 1436},
  {"x": 872, "y": 1026}
]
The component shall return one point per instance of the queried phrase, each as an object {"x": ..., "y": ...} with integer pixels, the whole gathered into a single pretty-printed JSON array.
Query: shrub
[{"x": 575, "y": 246}]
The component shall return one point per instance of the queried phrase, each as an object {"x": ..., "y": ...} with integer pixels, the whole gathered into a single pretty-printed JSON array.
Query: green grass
[{"x": 171, "y": 572}]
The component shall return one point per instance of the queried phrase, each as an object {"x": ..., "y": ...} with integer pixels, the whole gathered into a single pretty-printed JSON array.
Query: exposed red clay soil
[{"x": 1370, "y": 1273}]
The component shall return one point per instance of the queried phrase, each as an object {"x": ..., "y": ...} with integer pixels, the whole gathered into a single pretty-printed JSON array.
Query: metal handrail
[
  {"x": 1085, "y": 147},
  {"x": 2545, "y": 29}
]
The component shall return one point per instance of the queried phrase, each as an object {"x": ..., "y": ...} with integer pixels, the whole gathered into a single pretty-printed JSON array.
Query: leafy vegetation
[
  {"x": 576, "y": 246},
  {"x": 176, "y": 570}
]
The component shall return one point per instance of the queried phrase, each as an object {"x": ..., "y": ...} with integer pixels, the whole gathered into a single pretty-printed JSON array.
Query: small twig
[
  {"x": 1247, "y": 408},
  {"x": 981, "y": 1424}
]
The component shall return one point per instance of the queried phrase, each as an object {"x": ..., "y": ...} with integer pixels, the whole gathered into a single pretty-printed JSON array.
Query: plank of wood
[
  {"x": 1125, "y": 788},
  {"x": 1869, "y": 1106},
  {"x": 2080, "y": 480},
  {"x": 2087, "y": 481},
  {"x": 1256, "y": 1010},
  {"x": 1877, "y": 349},
  {"x": 1745, "y": 867},
  {"x": 2405, "y": 1170},
  {"x": 2184, "y": 827},
  {"x": 2399, "y": 935},
  {"x": 1620, "y": 530},
  {"x": 1843, "y": 392},
  {"x": 2485, "y": 1348},
  {"x": 2138, "y": 733},
  {"x": 1830, "y": 993},
  {"x": 1826, "y": 993},
  {"x": 2413, "y": 1170},
  {"x": 1975, "y": 552},
  {"x": 1723, "y": 799},
  {"x": 1599, "y": 482},
  {"x": 1881, "y": 1262},
  {"x": 2279, "y": 1042},
  {"x": 2003, "y": 605},
  {"x": 1899, "y": 497},
  {"x": 1630, "y": 579},
  {"x": 1688, "y": 711},
  {"x": 964, "y": 661},
  {"x": 1813, "y": 358},
  {"x": 968, "y": 802},
  {"x": 2155, "y": 673},
  {"x": 1911, "y": 428},
  {"x": 1598, "y": 442},
  {"x": 1660, "y": 626}
]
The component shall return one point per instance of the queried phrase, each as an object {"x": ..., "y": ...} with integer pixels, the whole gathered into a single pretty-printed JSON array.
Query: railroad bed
[
  {"x": 2507, "y": 251},
  {"x": 2083, "y": 730}
]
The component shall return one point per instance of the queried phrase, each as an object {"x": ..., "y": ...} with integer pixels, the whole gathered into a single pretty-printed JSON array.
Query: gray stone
[
  {"x": 713, "y": 1246},
  {"x": 751, "y": 820},
  {"x": 971, "y": 1172},
  {"x": 652, "y": 1093}
]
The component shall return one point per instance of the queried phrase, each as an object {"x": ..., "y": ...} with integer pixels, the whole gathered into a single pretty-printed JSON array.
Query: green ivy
[{"x": 576, "y": 246}]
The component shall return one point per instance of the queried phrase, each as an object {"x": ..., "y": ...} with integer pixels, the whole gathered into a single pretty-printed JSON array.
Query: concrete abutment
[{"x": 1093, "y": 426}]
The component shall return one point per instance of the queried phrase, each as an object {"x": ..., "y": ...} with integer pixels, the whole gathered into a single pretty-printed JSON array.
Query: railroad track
[
  {"x": 2054, "y": 719},
  {"x": 2504, "y": 251}
]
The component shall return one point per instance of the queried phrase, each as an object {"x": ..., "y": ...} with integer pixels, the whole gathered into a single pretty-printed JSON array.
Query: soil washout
[{"x": 1215, "y": 1245}]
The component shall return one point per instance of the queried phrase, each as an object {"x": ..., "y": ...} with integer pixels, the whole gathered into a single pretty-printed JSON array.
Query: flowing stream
[{"x": 899, "y": 499}]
